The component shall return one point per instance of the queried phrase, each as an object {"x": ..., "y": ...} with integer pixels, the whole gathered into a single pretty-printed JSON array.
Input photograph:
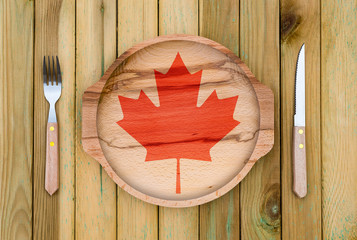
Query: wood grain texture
[
  {"x": 66, "y": 117},
  {"x": 178, "y": 17},
  {"x": 260, "y": 190},
  {"x": 339, "y": 118},
  {"x": 299, "y": 162},
  {"x": 16, "y": 119},
  {"x": 178, "y": 223},
  {"x": 136, "y": 218},
  {"x": 300, "y": 23},
  {"x": 215, "y": 14},
  {"x": 137, "y": 21},
  {"x": 96, "y": 49},
  {"x": 45, "y": 208},
  {"x": 219, "y": 219},
  {"x": 51, "y": 171}
]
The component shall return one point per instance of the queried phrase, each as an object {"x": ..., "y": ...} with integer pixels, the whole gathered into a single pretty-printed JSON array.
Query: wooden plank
[
  {"x": 219, "y": 219},
  {"x": 339, "y": 118},
  {"x": 16, "y": 119},
  {"x": 55, "y": 36},
  {"x": 178, "y": 223},
  {"x": 260, "y": 190},
  {"x": 300, "y": 21},
  {"x": 178, "y": 16},
  {"x": 136, "y": 219},
  {"x": 54, "y": 215},
  {"x": 96, "y": 50},
  {"x": 66, "y": 109},
  {"x": 137, "y": 21},
  {"x": 215, "y": 14}
]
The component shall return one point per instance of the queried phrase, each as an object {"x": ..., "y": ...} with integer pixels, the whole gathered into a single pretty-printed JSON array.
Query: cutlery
[
  {"x": 52, "y": 91},
  {"x": 299, "y": 147}
]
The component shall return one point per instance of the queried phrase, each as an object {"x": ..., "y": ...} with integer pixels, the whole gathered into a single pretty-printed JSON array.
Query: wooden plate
[{"x": 178, "y": 120}]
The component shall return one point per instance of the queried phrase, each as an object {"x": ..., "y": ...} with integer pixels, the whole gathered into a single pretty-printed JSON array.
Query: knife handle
[
  {"x": 299, "y": 162},
  {"x": 51, "y": 178}
]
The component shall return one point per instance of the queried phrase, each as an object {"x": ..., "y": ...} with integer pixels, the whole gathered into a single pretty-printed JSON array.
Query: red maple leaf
[{"x": 178, "y": 128}]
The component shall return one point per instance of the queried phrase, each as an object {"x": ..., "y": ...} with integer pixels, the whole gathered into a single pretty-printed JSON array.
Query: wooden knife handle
[
  {"x": 299, "y": 162},
  {"x": 51, "y": 178}
]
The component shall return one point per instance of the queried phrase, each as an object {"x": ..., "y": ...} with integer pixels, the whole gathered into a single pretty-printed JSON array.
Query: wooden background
[{"x": 88, "y": 35}]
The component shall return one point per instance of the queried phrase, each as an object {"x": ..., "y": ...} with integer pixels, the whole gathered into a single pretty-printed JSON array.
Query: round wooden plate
[{"x": 178, "y": 120}]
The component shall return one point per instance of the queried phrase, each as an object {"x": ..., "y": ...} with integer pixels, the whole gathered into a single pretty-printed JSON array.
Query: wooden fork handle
[
  {"x": 299, "y": 162},
  {"x": 51, "y": 178}
]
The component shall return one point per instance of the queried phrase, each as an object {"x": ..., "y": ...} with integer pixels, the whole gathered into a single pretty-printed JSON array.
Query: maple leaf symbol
[{"x": 178, "y": 128}]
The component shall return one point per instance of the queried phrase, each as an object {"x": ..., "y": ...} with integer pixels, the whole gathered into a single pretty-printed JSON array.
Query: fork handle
[{"x": 51, "y": 178}]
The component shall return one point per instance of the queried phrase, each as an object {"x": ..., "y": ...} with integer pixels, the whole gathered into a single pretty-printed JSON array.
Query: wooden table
[{"x": 88, "y": 35}]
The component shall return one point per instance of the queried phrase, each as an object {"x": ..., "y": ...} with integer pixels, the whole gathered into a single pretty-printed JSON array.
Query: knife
[{"x": 299, "y": 146}]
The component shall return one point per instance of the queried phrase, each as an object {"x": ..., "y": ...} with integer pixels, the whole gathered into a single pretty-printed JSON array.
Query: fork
[{"x": 52, "y": 91}]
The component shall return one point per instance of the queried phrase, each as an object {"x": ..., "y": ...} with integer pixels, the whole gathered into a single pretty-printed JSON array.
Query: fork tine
[
  {"x": 59, "y": 76},
  {"x": 44, "y": 71},
  {"x": 53, "y": 72},
  {"x": 49, "y": 72}
]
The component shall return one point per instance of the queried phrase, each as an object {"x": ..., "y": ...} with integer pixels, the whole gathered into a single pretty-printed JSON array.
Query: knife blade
[{"x": 299, "y": 147}]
